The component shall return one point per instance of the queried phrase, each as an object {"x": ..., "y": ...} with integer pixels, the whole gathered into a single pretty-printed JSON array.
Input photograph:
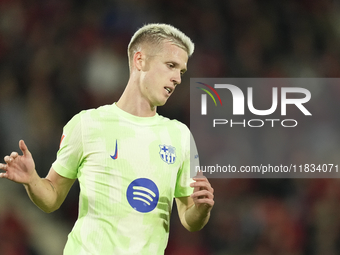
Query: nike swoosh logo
[{"x": 116, "y": 152}]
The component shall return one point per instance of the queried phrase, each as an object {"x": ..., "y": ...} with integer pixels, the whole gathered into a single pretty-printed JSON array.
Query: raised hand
[
  {"x": 20, "y": 169},
  {"x": 203, "y": 194}
]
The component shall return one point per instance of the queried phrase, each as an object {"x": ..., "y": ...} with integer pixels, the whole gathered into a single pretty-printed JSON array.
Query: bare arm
[
  {"x": 194, "y": 211},
  {"x": 47, "y": 193},
  {"x": 50, "y": 192}
]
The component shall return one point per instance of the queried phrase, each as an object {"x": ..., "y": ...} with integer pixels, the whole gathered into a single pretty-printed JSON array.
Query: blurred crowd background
[{"x": 58, "y": 57}]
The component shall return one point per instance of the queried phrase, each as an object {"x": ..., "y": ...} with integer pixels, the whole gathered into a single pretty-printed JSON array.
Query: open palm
[{"x": 19, "y": 168}]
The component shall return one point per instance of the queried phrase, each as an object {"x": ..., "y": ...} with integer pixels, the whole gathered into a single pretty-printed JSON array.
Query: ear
[{"x": 138, "y": 59}]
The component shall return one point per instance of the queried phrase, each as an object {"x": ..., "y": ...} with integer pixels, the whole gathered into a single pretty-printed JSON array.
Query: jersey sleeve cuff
[
  {"x": 185, "y": 193},
  {"x": 63, "y": 171}
]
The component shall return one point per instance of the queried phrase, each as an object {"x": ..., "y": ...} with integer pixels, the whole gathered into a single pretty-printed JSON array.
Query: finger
[
  {"x": 201, "y": 184},
  {"x": 205, "y": 201},
  {"x": 3, "y": 167},
  {"x": 202, "y": 194},
  {"x": 199, "y": 174},
  {"x": 3, "y": 175},
  {"x": 8, "y": 159},
  {"x": 14, "y": 154},
  {"x": 202, "y": 178},
  {"x": 24, "y": 148},
  {"x": 207, "y": 188},
  {"x": 201, "y": 181}
]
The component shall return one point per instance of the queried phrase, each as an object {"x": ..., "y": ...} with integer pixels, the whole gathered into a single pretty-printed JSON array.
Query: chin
[{"x": 161, "y": 103}]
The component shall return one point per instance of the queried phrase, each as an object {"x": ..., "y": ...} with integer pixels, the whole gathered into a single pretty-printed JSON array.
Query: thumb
[
  {"x": 24, "y": 148},
  {"x": 199, "y": 175}
]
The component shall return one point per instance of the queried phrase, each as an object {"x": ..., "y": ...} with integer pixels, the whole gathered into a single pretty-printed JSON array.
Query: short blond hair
[{"x": 155, "y": 34}]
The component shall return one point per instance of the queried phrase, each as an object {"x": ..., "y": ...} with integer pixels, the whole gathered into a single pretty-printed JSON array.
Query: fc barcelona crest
[{"x": 167, "y": 153}]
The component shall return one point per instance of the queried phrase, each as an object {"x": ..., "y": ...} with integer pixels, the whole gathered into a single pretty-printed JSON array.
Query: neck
[{"x": 132, "y": 102}]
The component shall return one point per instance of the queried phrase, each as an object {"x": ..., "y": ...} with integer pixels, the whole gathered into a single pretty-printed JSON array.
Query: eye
[{"x": 171, "y": 65}]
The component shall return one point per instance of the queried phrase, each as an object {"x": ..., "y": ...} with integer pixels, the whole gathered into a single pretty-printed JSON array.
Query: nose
[{"x": 177, "y": 79}]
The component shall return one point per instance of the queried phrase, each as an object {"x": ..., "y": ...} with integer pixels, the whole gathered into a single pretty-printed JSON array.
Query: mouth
[{"x": 169, "y": 90}]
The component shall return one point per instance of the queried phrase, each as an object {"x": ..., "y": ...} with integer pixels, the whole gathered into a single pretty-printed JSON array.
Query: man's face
[{"x": 162, "y": 73}]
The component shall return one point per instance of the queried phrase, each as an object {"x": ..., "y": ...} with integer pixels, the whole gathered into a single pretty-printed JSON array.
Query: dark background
[{"x": 58, "y": 57}]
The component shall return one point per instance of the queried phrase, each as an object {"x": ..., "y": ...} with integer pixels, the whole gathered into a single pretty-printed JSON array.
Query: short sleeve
[
  {"x": 183, "y": 188},
  {"x": 70, "y": 154}
]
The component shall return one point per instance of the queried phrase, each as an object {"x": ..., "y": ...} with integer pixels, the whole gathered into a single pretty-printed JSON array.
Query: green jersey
[{"x": 129, "y": 169}]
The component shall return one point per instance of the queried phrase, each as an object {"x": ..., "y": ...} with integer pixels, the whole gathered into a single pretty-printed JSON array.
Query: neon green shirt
[{"x": 129, "y": 169}]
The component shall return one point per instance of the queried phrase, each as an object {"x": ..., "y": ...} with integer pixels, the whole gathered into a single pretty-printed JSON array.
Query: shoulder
[
  {"x": 173, "y": 123},
  {"x": 88, "y": 118},
  {"x": 94, "y": 113}
]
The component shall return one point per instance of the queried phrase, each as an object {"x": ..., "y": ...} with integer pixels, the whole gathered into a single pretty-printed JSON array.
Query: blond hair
[{"x": 155, "y": 34}]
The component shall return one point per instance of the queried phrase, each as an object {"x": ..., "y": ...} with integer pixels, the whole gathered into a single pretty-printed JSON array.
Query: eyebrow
[{"x": 176, "y": 64}]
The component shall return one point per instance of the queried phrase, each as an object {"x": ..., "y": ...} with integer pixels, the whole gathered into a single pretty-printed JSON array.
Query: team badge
[{"x": 167, "y": 153}]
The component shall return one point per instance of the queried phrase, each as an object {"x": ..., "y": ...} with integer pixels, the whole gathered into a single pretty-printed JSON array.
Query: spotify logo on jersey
[{"x": 142, "y": 194}]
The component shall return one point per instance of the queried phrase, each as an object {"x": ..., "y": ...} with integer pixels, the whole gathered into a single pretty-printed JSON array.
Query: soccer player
[{"x": 130, "y": 161}]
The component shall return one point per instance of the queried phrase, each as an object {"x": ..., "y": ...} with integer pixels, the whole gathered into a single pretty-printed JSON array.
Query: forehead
[
  {"x": 171, "y": 52},
  {"x": 170, "y": 49}
]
